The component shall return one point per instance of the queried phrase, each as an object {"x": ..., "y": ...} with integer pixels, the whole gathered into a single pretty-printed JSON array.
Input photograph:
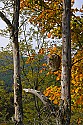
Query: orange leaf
[
  {"x": 41, "y": 51},
  {"x": 58, "y": 78},
  {"x": 40, "y": 71},
  {"x": 55, "y": 73},
  {"x": 49, "y": 35},
  {"x": 46, "y": 93},
  {"x": 55, "y": 101},
  {"x": 44, "y": 64}
]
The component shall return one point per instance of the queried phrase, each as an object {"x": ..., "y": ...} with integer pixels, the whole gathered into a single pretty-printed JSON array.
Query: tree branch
[
  {"x": 44, "y": 99},
  {"x": 37, "y": 93},
  {"x": 4, "y": 18},
  {"x": 76, "y": 61}
]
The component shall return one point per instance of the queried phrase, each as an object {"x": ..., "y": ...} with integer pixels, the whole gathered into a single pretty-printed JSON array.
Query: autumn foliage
[{"x": 49, "y": 20}]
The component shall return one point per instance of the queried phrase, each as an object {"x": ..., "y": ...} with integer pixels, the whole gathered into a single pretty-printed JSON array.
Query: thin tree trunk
[
  {"x": 65, "y": 107},
  {"x": 16, "y": 60},
  {"x": 17, "y": 80}
]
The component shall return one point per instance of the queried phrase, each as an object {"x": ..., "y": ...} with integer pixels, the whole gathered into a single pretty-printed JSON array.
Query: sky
[{"x": 4, "y": 41}]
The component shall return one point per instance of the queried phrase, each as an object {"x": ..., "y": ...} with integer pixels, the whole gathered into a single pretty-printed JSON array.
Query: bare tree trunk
[
  {"x": 16, "y": 60},
  {"x": 65, "y": 107},
  {"x": 17, "y": 80}
]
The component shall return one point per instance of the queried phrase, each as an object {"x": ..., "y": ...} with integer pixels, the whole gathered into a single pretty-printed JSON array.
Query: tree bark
[
  {"x": 16, "y": 60},
  {"x": 65, "y": 106}
]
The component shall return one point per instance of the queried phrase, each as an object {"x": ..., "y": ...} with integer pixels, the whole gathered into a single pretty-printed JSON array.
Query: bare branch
[
  {"x": 37, "y": 93},
  {"x": 76, "y": 61},
  {"x": 44, "y": 99},
  {"x": 4, "y": 18}
]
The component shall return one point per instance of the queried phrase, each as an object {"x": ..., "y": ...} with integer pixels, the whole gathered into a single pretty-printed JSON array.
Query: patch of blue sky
[{"x": 78, "y": 4}]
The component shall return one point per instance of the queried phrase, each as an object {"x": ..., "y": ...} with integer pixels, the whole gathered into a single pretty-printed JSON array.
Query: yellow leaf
[
  {"x": 77, "y": 90},
  {"x": 52, "y": 97},
  {"x": 54, "y": 48},
  {"x": 49, "y": 73},
  {"x": 73, "y": 81},
  {"x": 58, "y": 78},
  {"x": 55, "y": 101},
  {"x": 55, "y": 72}
]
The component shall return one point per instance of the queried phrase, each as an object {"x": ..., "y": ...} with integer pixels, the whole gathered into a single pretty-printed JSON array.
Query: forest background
[{"x": 34, "y": 69}]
